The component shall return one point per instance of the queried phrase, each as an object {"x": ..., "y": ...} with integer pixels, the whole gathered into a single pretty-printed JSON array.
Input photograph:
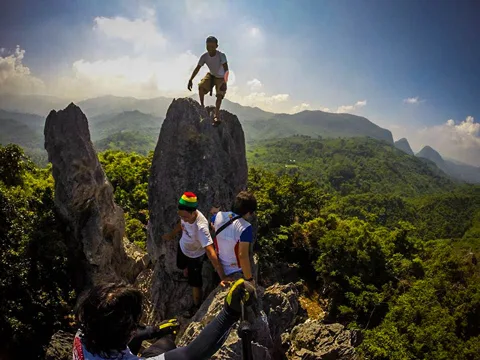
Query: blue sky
[{"x": 360, "y": 56}]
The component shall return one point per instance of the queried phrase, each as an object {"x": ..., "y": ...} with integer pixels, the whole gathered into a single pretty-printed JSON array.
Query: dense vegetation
[
  {"x": 399, "y": 264},
  {"x": 128, "y": 173},
  {"x": 34, "y": 282},
  {"x": 141, "y": 142},
  {"x": 349, "y": 166},
  {"x": 402, "y": 269}
]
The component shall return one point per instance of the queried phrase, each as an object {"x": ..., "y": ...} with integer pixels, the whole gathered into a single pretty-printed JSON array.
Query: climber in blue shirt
[{"x": 109, "y": 316}]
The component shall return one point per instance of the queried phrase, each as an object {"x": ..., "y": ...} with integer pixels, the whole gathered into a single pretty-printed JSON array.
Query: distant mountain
[
  {"x": 455, "y": 169},
  {"x": 259, "y": 124},
  {"x": 114, "y": 104},
  {"x": 403, "y": 145},
  {"x": 34, "y": 121},
  {"x": 349, "y": 166},
  {"x": 103, "y": 126},
  {"x": 32, "y": 104},
  {"x": 315, "y": 123}
]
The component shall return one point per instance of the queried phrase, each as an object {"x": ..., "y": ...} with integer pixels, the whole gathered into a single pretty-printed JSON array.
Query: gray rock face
[
  {"x": 85, "y": 199},
  {"x": 317, "y": 341},
  {"x": 191, "y": 155},
  {"x": 403, "y": 145},
  {"x": 276, "y": 309}
]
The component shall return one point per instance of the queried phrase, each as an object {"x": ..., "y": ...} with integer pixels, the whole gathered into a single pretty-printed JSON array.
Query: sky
[{"x": 411, "y": 66}]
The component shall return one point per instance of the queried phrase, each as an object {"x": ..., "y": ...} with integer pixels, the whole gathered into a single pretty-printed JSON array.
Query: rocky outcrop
[
  {"x": 60, "y": 346},
  {"x": 191, "y": 155},
  {"x": 275, "y": 332},
  {"x": 275, "y": 313},
  {"x": 314, "y": 340},
  {"x": 84, "y": 198},
  {"x": 403, "y": 145}
]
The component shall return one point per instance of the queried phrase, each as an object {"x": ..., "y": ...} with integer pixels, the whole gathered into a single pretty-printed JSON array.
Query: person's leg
[
  {"x": 204, "y": 88},
  {"x": 197, "y": 296},
  {"x": 221, "y": 89},
  {"x": 218, "y": 103},
  {"x": 201, "y": 95},
  {"x": 195, "y": 279},
  {"x": 182, "y": 261}
]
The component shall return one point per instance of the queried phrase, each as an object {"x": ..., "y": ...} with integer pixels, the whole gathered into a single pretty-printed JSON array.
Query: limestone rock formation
[
  {"x": 317, "y": 341},
  {"x": 85, "y": 199},
  {"x": 403, "y": 145},
  {"x": 191, "y": 155},
  {"x": 276, "y": 313}
]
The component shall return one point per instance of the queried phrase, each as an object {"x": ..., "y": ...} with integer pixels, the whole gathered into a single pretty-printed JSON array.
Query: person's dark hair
[
  {"x": 212, "y": 39},
  {"x": 108, "y": 313},
  {"x": 186, "y": 208},
  {"x": 245, "y": 202}
]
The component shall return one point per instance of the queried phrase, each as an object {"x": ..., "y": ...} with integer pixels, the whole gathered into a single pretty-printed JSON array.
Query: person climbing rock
[
  {"x": 217, "y": 77},
  {"x": 234, "y": 237},
  {"x": 109, "y": 316},
  {"x": 213, "y": 211},
  {"x": 194, "y": 243}
]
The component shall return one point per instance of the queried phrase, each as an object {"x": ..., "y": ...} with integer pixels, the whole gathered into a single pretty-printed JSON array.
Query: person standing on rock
[
  {"x": 234, "y": 236},
  {"x": 217, "y": 77},
  {"x": 194, "y": 243}
]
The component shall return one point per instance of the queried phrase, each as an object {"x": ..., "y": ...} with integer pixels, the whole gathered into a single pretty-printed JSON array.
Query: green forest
[{"x": 387, "y": 239}]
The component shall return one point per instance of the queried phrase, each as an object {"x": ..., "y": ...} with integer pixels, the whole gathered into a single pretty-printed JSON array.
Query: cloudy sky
[{"x": 410, "y": 66}]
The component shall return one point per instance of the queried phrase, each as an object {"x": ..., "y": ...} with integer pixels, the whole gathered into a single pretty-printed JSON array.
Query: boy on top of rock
[{"x": 217, "y": 77}]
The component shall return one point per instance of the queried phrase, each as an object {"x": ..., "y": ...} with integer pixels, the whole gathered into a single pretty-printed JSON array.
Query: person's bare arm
[
  {"x": 225, "y": 67},
  {"x": 176, "y": 230},
  {"x": 244, "y": 257},
  {"x": 212, "y": 255},
  {"x": 194, "y": 73}
]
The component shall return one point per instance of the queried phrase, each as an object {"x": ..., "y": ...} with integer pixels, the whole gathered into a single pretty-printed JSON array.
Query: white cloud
[
  {"x": 15, "y": 77},
  {"x": 254, "y": 31},
  {"x": 254, "y": 84},
  {"x": 413, "y": 100},
  {"x": 454, "y": 139},
  {"x": 143, "y": 33},
  {"x": 300, "y": 108},
  {"x": 350, "y": 108}
]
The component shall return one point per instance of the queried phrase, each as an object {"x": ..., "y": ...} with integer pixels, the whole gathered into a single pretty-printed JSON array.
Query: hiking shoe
[{"x": 216, "y": 122}]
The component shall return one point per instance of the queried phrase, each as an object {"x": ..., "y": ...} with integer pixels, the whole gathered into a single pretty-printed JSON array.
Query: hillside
[
  {"x": 106, "y": 125},
  {"x": 457, "y": 170},
  {"x": 403, "y": 145},
  {"x": 114, "y": 104},
  {"x": 349, "y": 166},
  {"x": 141, "y": 142},
  {"x": 258, "y": 124}
]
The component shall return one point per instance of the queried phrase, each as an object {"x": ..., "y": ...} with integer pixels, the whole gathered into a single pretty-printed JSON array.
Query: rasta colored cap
[
  {"x": 189, "y": 199},
  {"x": 212, "y": 39}
]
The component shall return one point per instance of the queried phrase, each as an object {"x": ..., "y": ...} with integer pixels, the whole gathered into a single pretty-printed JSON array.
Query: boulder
[
  {"x": 191, "y": 155},
  {"x": 274, "y": 314},
  {"x": 318, "y": 341}
]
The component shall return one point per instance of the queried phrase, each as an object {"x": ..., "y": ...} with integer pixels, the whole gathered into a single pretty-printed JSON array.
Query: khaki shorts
[{"x": 206, "y": 84}]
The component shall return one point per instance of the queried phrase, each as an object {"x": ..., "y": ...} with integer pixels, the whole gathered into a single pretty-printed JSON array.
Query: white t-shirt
[
  {"x": 195, "y": 237},
  {"x": 228, "y": 241},
  {"x": 214, "y": 63}
]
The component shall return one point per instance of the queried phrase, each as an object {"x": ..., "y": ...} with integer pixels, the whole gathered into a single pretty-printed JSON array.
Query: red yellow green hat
[{"x": 189, "y": 199}]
